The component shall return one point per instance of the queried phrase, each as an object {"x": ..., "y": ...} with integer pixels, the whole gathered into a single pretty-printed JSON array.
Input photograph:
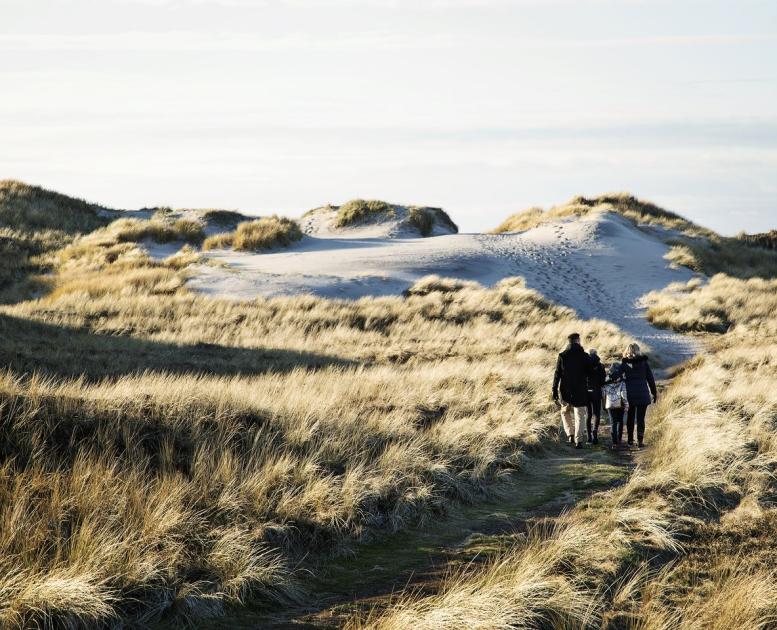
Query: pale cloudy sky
[{"x": 484, "y": 107}]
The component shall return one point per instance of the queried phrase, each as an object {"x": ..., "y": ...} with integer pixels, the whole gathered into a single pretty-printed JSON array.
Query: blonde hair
[{"x": 632, "y": 350}]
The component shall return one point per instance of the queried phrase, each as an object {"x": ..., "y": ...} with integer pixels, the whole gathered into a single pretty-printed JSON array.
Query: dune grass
[
  {"x": 34, "y": 222},
  {"x": 180, "y": 454},
  {"x": 424, "y": 219},
  {"x": 357, "y": 211},
  {"x": 223, "y": 217},
  {"x": 33, "y": 209},
  {"x": 253, "y": 236},
  {"x": 158, "y": 230},
  {"x": 637, "y": 210}
]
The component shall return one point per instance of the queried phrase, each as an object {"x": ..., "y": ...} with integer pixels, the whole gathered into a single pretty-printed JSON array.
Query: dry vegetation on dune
[
  {"x": 251, "y": 236},
  {"x": 33, "y": 222},
  {"x": 166, "y": 454},
  {"x": 688, "y": 542},
  {"x": 691, "y": 245},
  {"x": 424, "y": 219},
  {"x": 421, "y": 218},
  {"x": 359, "y": 210},
  {"x": 637, "y": 210}
]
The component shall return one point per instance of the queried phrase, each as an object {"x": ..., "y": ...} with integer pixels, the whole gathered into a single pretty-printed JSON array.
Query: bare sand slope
[{"x": 600, "y": 265}]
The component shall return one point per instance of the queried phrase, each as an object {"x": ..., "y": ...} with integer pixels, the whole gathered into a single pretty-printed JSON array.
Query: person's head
[
  {"x": 615, "y": 372},
  {"x": 632, "y": 351},
  {"x": 574, "y": 338},
  {"x": 594, "y": 354}
]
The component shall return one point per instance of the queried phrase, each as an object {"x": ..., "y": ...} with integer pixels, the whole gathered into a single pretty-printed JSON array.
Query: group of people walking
[{"x": 582, "y": 387}]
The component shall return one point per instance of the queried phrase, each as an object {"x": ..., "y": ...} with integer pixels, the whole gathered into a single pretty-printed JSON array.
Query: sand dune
[{"x": 600, "y": 265}]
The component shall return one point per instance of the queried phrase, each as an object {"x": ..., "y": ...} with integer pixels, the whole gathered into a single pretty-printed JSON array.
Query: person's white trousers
[{"x": 573, "y": 419}]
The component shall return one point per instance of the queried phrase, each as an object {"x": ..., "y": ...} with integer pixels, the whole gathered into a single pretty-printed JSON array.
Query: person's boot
[
  {"x": 571, "y": 440},
  {"x": 595, "y": 439},
  {"x": 590, "y": 439},
  {"x": 579, "y": 444}
]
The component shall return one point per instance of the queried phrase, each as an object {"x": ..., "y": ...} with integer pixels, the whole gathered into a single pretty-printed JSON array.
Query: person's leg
[
  {"x": 630, "y": 424},
  {"x": 641, "y": 412},
  {"x": 589, "y": 413},
  {"x": 596, "y": 405},
  {"x": 620, "y": 425},
  {"x": 611, "y": 414},
  {"x": 616, "y": 422},
  {"x": 580, "y": 413},
  {"x": 567, "y": 421}
]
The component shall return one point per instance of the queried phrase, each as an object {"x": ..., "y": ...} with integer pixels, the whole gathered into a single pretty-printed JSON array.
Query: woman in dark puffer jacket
[{"x": 641, "y": 389}]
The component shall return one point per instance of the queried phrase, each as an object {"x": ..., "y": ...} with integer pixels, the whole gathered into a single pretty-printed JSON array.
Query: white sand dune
[{"x": 600, "y": 265}]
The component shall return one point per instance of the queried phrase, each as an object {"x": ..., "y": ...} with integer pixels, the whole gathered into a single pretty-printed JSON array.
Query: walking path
[{"x": 554, "y": 480}]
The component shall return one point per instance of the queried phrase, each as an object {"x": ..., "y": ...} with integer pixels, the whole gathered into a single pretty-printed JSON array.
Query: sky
[{"x": 483, "y": 107}]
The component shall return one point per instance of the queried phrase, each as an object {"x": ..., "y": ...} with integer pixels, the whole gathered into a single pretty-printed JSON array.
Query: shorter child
[{"x": 616, "y": 401}]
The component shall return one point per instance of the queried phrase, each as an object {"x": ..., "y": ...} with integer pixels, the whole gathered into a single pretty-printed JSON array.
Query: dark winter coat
[
  {"x": 571, "y": 378},
  {"x": 640, "y": 384},
  {"x": 596, "y": 378}
]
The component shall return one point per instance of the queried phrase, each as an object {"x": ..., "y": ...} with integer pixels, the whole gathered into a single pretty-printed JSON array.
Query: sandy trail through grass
[{"x": 554, "y": 480}]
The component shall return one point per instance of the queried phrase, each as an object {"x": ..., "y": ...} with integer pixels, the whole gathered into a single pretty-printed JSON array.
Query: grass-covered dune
[
  {"x": 421, "y": 218},
  {"x": 164, "y": 455},
  {"x": 691, "y": 245},
  {"x": 35, "y": 221},
  {"x": 638, "y": 210}
]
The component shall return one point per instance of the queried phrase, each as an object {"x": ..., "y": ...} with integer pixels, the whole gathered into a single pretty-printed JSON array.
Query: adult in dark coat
[
  {"x": 641, "y": 389},
  {"x": 596, "y": 380},
  {"x": 570, "y": 384}
]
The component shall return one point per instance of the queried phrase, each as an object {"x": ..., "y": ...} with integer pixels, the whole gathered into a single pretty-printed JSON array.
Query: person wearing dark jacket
[
  {"x": 641, "y": 389},
  {"x": 594, "y": 407},
  {"x": 570, "y": 384}
]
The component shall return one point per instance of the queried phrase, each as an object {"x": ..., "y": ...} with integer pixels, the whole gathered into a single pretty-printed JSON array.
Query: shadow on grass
[{"x": 28, "y": 346}]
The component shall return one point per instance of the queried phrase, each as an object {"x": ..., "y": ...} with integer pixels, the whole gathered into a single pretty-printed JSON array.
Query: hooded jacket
[
  {"x": 597, "y": 377},
  {"x": 571, "y": 378},
  {"x": 640, "y": 384}
]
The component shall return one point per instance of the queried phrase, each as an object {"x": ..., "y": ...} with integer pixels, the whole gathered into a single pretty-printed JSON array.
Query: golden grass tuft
[
  {"x": 262, "y": 234},
  {"x": 358, "y": 210}
]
